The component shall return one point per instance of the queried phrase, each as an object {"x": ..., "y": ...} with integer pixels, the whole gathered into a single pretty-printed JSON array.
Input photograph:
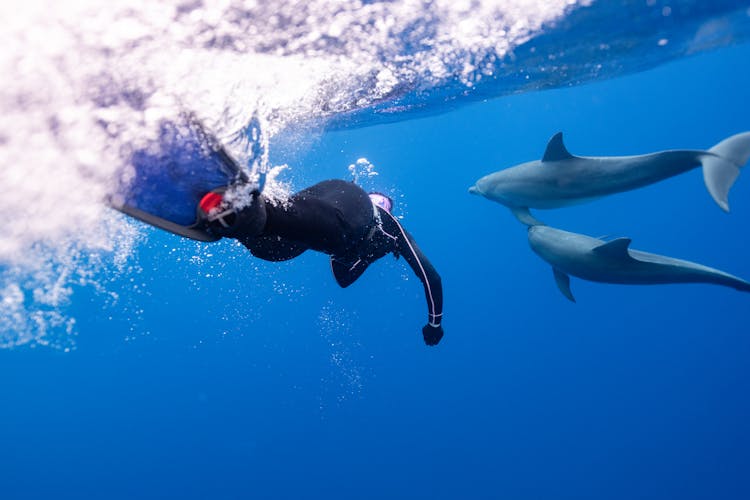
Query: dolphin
[
  {"x": 613, "y": 261},
  {"x": 560, "y": 179}
]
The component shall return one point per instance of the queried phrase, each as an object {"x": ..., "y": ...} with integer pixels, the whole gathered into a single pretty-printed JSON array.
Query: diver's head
[{"x": 382, "y": 201}]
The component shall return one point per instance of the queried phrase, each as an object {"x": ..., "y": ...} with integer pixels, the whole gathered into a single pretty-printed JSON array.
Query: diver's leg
[{"x": 273, "y": 248}]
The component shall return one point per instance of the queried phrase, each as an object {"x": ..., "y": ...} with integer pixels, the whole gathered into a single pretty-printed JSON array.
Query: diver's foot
[
  {"x": 216, "y": 213},
  {"x": 225, "y": 218}
]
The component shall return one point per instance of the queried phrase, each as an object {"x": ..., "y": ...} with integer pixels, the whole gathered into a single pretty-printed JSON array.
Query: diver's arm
[{"x": 433, "y": 288}]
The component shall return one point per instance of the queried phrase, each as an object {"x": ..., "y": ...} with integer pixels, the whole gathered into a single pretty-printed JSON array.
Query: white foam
[{"x": 84, "y": 84}]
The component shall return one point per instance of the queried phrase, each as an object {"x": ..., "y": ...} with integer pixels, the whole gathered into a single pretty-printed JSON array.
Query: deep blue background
[{"x": 221, "y": 376}]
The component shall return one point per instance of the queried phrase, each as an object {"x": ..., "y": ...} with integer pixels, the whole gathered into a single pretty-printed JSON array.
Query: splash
[
  {"x": 36, "y": 291},
  {"x": 85, "y": 86}
]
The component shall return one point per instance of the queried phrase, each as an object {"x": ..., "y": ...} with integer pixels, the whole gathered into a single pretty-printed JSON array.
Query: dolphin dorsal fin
[
  {"x": 556, "y": 150},
  {"x": 617, "y": 248},
  {"x": 563, "y": 283}
]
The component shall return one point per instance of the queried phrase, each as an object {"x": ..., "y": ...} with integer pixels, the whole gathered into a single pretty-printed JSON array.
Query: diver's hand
[{"x": 432, "y": 334}]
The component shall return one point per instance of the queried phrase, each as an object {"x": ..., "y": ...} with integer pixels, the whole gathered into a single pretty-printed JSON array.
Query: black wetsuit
[{"x": 337, "y": 218}]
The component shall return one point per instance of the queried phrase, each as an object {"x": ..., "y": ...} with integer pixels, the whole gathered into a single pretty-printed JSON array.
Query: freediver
[{"x": 334, "y": 217}]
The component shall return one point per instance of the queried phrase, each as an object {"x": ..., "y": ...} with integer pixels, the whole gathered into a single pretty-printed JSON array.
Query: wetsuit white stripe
[{"x": 416, "y": 257}]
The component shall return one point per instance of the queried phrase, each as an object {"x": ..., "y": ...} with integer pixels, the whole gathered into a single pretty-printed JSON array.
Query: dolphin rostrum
[
  {"x": 560, "y": 179},
  {"x": 614, "y": 262}
]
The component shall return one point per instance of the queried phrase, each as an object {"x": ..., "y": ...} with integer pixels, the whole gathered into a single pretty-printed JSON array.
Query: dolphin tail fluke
[
  {"x": 563, "y": 283},
  {"x": 721, "y": 169},
  {"x": 524, "y": 216}
]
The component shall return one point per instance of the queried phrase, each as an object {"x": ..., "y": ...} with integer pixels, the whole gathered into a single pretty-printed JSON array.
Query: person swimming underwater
[{"x": 334, "y": 217}]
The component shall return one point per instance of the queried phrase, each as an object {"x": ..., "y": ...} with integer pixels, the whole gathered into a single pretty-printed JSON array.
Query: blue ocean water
[{"x": 200, "y": 372}]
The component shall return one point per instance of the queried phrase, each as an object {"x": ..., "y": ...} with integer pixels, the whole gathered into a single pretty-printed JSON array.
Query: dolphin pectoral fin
[
  {"x": 719, "y": 175},
  {"x": 556, "y": 150},
  {"x": 563, "y": 283},
  {"x": 525, "y": 217},
  {"x": 617, "y": 248}
]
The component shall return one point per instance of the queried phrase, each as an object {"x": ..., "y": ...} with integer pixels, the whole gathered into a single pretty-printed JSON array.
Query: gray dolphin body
[
  {"x": 560, "y": 179},
  {"x": 614, "y": 262}
]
